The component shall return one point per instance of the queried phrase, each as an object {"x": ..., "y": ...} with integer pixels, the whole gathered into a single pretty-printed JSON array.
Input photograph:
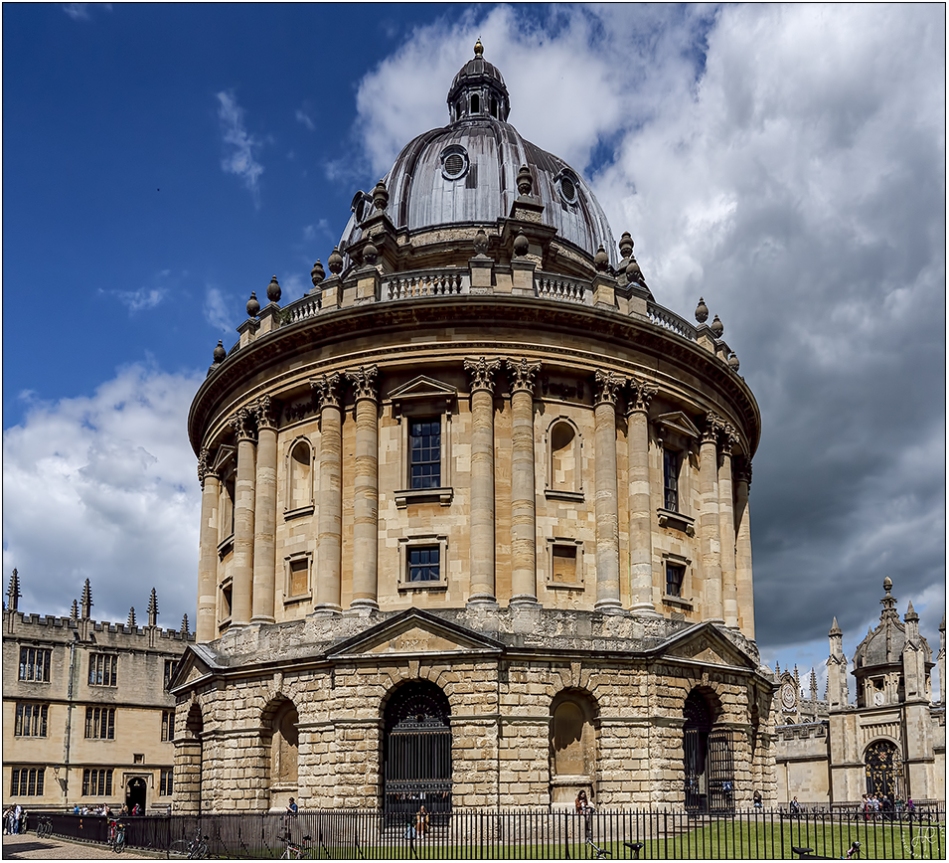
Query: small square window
[
  {"x": 424, "y": 563},
  {"x": 565, "y": 563},
  {"x": 675, "y": 579},
  {"x": 138, "y": 758}
]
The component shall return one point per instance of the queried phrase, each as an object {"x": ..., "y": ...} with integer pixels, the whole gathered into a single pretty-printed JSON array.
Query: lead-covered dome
[{"x": 466, "y": 173}]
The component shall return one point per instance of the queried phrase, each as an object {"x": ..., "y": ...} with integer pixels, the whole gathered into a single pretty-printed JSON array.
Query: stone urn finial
[
  {"x": 633, "y": 272},
  {"x": 335, "y": 262},
  {"x": 370, "y": 254},
  {"x": 701, "y": 311},
  {"x": 717, "y": 327},
  {"x": 601, "y": 260},
  {"x": 481, "y": 242},
  {"x": 521, "y": 244},
  {"x": 626, "y": 245},
  {"x": 317, "y": 274},
  {"x": 733, "y": 362},
  {"x": 380, "y": 196},
  {"x": 525, "y": 182},
  {"x": 253, "y": 307},
  {"x": 219, "y": 353},
  {"x": 273, "y": 290}
]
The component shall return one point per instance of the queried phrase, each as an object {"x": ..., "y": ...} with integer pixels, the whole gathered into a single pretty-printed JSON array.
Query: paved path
[{"x": 28, "y": 846}]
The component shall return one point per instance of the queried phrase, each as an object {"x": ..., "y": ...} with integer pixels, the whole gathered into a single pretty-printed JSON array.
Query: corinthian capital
[
  {"x": 713, "y": 426},
  {"x": 608, "y": 385},
  {"x": 743, "y": 471},
  {"x": 522, "y": 374},
  {"x": 327, "y": 388},
  {"x": 481, "y": 372},
  {"x": 640, "y": 395},
  {"x": 266, "y": 411},
  {"x": 364, "y": 383},
  {"x": 729, "y": 438},
  {"x": 243, "y": 424}
]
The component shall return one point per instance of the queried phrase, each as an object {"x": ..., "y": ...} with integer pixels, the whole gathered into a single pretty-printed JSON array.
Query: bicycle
[
  {"x": 193, "y": 849},
  {"x": 808, "y": 853},
  {"x": 296, "y": 850},
  {"x": 117, "y": 836},
  {"x": 44, "y": 827}
]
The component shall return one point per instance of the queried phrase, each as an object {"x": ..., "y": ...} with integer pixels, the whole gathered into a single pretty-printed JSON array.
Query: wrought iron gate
[
  {"x": 708, "y": 760},
  {"x": 884, "y": 770},
  {"x": 417, "y": 753},
  {"x": 721, "y": 771}
]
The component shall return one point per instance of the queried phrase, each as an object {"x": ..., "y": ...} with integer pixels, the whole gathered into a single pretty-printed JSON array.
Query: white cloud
[
  {"x": 241, "y": 145},
  {"x": 216, "y": 311},
  {"x": 77, "y": 11},
  {"x": 141, "y": 300},
  {"x": 304, "y": 118},
  {"x": 103, "y": 487}
]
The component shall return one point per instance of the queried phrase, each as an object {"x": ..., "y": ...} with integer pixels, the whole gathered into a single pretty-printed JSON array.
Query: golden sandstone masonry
[{"x": 475, "y": 523}]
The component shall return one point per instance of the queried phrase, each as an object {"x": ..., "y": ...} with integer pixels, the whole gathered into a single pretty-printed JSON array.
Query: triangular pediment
[
  {"x": 423, "y": 387},
  {"x": 678, "y": 422},
  {"x": 196, "y": 663},
  {"x": 415, "y": 633},
  {"x": 703, "y": 643}
]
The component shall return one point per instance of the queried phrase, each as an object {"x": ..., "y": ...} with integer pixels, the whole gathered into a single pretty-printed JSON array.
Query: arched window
[
  {"x": 572, "y": 747},
  {"x": 416, "y": 760},
  {"x": 283, "y": 738},
  {"x": 300, "y": 477},
  {"x": 494, "y": 107},
  {"x": 563, "y": 443},
  {"x": 475, "y": 104},
  {"x": 884, "y": 770}
]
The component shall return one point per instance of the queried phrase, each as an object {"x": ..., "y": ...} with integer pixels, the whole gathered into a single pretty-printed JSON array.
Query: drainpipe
[{"x": 69, "y": 708}]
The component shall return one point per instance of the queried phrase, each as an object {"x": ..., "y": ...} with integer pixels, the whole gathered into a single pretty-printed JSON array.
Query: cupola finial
[{"x": 478, "y": 48}]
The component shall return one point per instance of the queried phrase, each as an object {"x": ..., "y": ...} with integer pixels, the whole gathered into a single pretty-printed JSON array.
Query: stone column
[
  {"x": 244, "y": 501},
  {"x": 726, "y": 513},
  {"x": 709, "y": 525},
  {"x": 605, "y": 494},
  {"x": 265, "y": 513},
  {"x": 640, "y": 509},
  {"x": 743, "y": 576},
  {"x": 366, "y": 489},
  {"x": 481, "y": 373},
  {"x": 206, "y": 625},
  {"x": 523, "y": 484},
  {"x": 330, "y": 527}
]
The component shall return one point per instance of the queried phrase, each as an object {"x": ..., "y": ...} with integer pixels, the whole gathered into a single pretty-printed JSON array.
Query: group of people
[
  {"x": 106, "y": 811},
  {"x": 883, "y": 807},
  {"x": 14, "y": 820}
]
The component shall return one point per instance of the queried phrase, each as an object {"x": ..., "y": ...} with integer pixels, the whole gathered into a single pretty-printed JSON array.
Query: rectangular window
[
  {"x": 675, "y": 578},
  {"x": 670, "y": 480},
  {"x": 425, "y": 453},
  {"x": 564, "y": 564},
  {"x": 166, "y": 786},
  {"x": 424, "y": 563},
  {"x": 31, "y": 720},
  {"x": 103, "y": 669},
  {"x": 34, "y": 664},
  {"x": 27, "y": 781},
  {"x": 167, "y": 725},
  {"x": 171, "y": 666},
  {"x": 300, "y": 577},
  {"x": 100, "y": 723},
  {"x": 97, "y": 783}
]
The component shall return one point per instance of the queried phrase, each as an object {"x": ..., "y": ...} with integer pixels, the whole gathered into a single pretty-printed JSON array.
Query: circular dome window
[
  {"x": 454, "y": 162},
  {"x": 568, "y": 188}
]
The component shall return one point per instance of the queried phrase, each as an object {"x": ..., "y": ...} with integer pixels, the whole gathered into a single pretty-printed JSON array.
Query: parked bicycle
[
  {"x": 44, "y": 827},
  {"x": 116, "y": 836},
  {"x": 808, "y": 853},
  {"x": 189, "y": 849},
  {"x": 296, "y": 850}
]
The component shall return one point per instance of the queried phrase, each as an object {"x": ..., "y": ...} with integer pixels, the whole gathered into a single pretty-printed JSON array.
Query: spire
[
  {"x": 910, "y": 613},
  {"x": 184, "y": 626},
  {"x": 777, "y": 667},
  {"x": 835, "y": 628},
  {"x": 889, "y": 601},
  {"x": 478, "y": 91},
  {"x": 131, "y": 621},
  {"x": 86, "y": 600},
  {"x": 74, "y": 613},
  {"x": 153, "y": 609},
  {"x": 813, "y": 684},
  {"x": 13, "y": 592}
]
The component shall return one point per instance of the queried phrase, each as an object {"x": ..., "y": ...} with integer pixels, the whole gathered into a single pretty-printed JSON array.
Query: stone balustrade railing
[
  {"x": 426, "y": 283},
  {"x": 670, "y": 321},
  {"x": 307, "y": 306},
  {"x": 550, "y": 287}
]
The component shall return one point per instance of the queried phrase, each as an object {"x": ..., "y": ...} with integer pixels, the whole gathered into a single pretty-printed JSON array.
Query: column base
[
  {"x": 328, "y": 608},
  {"x": 524, "y": 601},
  {"x": 609, "y": 606},
  {"x": 260, "y": 618},
  {"x": 644, "y": 609},
  {"x": 483, "y": 600},
  {"x": 363, "y": 605}
]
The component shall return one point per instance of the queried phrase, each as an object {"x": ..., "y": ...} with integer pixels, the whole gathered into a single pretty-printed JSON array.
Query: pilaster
[
  {"x": 265, "y": 512},
  {"x": 206, "y": 624}
]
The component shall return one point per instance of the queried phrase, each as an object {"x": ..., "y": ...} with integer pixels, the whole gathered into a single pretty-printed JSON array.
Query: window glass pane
[
  {"x": 424, "y": 564},
  {"x": 425, "y": 453}
]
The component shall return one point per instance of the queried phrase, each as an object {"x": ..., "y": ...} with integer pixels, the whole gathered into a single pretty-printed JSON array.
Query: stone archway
[
  {"x": 416, "y": 750},
  {"x": 884, "y": 770},
  {"x": 136, "y": 794},
  {"x": 708, "y": 756},
  {"x": 281, "y": 737}
]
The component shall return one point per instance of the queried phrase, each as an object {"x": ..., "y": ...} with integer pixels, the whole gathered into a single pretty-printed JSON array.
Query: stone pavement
[{"x": 28, "y": 846}]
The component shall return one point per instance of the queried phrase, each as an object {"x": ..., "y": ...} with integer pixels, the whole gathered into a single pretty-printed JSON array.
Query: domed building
[{"x": 475, "y": 526}]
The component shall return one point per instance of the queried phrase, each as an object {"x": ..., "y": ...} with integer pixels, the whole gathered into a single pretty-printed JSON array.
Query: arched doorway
[
  {"x": 884, "y": 770},
  {"x": 416, "y": 759},
  {"x": 135, "y": 794},
  {"x": 708, "y": 758}
]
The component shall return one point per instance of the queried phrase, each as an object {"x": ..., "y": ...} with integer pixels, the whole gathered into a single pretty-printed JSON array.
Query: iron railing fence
[{"x": 755, "y": 834}]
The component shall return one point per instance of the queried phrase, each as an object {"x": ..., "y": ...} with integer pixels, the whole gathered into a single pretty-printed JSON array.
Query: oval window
[
  {"x": 568, "y": 188},
  {"x": 454, "y": 162}
]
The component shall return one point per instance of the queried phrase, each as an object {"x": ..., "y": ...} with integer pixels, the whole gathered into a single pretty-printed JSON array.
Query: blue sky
[{"x": 787, "y": 163}]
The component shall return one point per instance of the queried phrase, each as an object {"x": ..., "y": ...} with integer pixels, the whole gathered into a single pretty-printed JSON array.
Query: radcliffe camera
[{"x": 474, "y": 574}]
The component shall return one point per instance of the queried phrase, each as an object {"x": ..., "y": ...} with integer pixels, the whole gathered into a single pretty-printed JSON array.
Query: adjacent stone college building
[
  {"x": 475, "y": 526},
  {"x": 891, "y": 741},
  {"x": 87, "y": 715}
]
